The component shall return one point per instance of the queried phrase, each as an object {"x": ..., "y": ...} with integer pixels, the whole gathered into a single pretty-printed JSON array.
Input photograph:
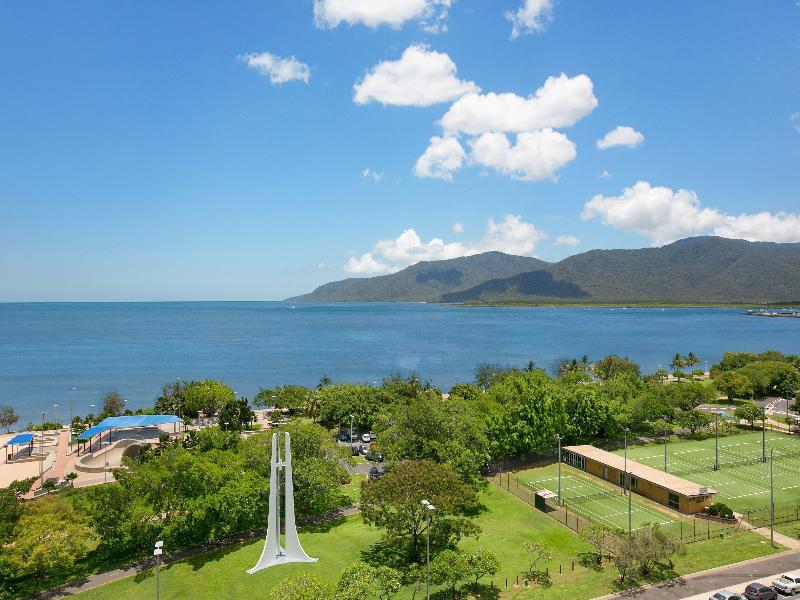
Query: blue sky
[{"x": 153, "y": 151}]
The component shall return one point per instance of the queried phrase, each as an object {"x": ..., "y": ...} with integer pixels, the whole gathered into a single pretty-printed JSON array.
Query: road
[{"x": 733, "y": 578}]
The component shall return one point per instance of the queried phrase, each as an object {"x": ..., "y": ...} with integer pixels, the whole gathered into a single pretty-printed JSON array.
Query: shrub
[{"x": 718, "y": 509}]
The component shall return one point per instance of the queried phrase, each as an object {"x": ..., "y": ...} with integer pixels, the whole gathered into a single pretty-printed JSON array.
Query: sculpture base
[{"x": 281, "y": 560}]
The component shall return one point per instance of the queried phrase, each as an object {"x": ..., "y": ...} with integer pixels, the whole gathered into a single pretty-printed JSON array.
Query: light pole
[
  {"x": 351, "y": 429},
  {"x": 559, "y": 469},
  {"x": 716, "y": 441},
  {"x": 627, "y": 480},
  {"x": 771, "y": 503},
  {"x": 55, "y": 408},
  {"x": 625, "y": 476},
  {"x": 41, "y": 452},
  {"x": 763, "y": 434},
  {"x": 70, "y": 418},
  {"x": 105, "y": 473},
  {"x": 91, "y": 412},
  {"x": 430, "y": 508},
  {"x": 665, "y": 443},
  {"x": 157, "y": 553}
]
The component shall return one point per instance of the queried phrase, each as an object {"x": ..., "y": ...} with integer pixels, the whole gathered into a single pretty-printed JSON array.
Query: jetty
[{"x": 790, "y": 314}]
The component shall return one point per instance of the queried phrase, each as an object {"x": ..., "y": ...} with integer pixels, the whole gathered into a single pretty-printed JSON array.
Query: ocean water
[{"x": 71, "y": 354}]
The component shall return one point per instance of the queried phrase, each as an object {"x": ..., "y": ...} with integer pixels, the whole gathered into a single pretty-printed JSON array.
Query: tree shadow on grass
[
  {"x": 382, "y": 553},
  {"x": 662, "y": 574},
  {"x": 325, "y": 526}
]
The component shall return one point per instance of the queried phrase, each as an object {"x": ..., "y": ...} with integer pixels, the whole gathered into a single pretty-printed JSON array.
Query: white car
[
  {"x": 788, "y": 583},
  {"x": 365, "y": 438},
  {"x": 726, "y": 595}
]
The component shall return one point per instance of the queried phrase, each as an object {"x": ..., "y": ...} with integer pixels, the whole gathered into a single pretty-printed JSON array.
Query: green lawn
[
  {"x": 506, "y": 522},
  {"x": 742, "y": 481}
]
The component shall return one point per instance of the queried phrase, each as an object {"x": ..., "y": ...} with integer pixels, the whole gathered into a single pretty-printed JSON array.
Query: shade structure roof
[
  {"x": 19, "y": 439},
  {"x": 670, "y": 482},
  {"x": 128, "y": 422}
]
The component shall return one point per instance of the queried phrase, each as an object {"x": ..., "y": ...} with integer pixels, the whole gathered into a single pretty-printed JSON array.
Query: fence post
[
  {"x": 694, "y": 529},
  {"x": 573, "y": 565},
  {"x": 708, "y": 530},
  {"x": 681, "y": 524}
]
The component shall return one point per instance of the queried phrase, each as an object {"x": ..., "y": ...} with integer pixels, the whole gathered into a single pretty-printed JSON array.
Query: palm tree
[
  {"x": 691, "y": 359},
  {"x": 678, "y": 362}
]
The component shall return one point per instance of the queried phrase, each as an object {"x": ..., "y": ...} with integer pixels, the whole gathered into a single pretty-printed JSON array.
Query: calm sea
[{"x": 46, "y": 350}]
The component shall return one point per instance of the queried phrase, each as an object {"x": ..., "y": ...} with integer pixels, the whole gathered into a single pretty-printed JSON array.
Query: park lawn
[
  {"x": 791, "y": 529},
  {"x": 506, "y": 522}
]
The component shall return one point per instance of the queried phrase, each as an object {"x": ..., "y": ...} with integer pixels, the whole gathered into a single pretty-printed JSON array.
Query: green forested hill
[{"x": 701, "y": 269}]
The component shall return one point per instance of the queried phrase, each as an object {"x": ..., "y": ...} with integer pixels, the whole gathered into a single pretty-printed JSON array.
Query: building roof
[
  {"x": 671, "y": 482},
  {"x": 128, "y": 422},
  {"x": 19, "y": 439}
]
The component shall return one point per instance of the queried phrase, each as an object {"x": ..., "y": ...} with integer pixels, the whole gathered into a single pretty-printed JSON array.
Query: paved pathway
[
  {"x": 59, "y": 465},
  {"x": 702, "y": 584}
]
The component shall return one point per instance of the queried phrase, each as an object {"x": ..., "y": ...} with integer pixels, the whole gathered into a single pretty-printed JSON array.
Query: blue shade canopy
[
  {"x": 127, "y": 422},
  {"x": 19, "y": 439}
]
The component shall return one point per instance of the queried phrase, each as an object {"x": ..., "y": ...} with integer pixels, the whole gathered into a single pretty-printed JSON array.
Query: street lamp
[
  {"x": 105, "y": 473},
  {"x": 70, "y": 418},
  {"x": 41, "y": 452},
  {"x": 665, "y": 443},
  {"x": 771, "y": 503},
  {"x": 55, "y": 407},
  {"x": 627, "y": 481},
  {"x": 716, "y": 441},
  {"x": 763, "y": 434},
  {"x": 351, "y": 429},
  {"x": 430, "y": 510},
  {"x": 157, "y": 553},
  {"x": 559, "y": 469}
]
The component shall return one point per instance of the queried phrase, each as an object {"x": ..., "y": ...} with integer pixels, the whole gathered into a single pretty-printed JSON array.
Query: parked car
[
  {"x": 375, "y": 473},
  {"x": 343, "y": 437},
  {"x": 759, "y": 591},
  {"x": 365, "y": 438},
  {"x": 725, "y": 595},
  {"x": 788, "y": 583},
  {"x": 374, "y": 456},
  {"x": 373, "y": 436},
  {"x": 363, "y": 449},
  {"x": 355, "y": 450}
]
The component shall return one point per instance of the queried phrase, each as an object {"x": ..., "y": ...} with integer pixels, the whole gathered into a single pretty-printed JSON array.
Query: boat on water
[{"x": 787, "y": 313}]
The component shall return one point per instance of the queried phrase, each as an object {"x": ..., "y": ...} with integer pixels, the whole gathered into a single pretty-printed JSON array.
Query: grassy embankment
[{"x": 506, "y": 522}]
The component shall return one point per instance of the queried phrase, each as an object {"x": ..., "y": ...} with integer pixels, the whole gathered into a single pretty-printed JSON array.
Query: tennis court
[
  {"x": 596, "y": 502},
  {"x": 742, "y": 480}
]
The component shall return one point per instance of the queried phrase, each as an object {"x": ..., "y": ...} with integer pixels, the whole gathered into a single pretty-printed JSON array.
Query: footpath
[{"x": 59, "y": 467}]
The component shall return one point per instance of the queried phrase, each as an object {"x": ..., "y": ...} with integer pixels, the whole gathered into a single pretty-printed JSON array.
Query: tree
[
  {"x": 485, "y": 375},
  {"x": 694, "y": 419},
  {"x": 171, "y": 400},
  {"x": 335, "y": 404},
  {"x": 733, "y": 385},
  {"x": 11, "y": 509},
  {"x": 467, "y": 391},
  {"x": 393, "y": 503},
  {"x": 537, "y": 553},
  {"x": 604, "y": 539},
  {"x": 789, "y": 386},
  {"x": 749, "y": 412},
  {"x": 361, "y": 581},
  {"x": 291, "y": 397},
  {"x": 49, "y": 538},
  {"x": 235, "y": 415},
  {"x": 482, "y": 563},
  {"x": 206, "y": 396},
  {"x": 302, "y": 586},
  {"x": 8, "y": 417},
  {"x": 613, "y": 366},
  {"x": 678, "y": 362},
  {"x": 661, "y": 375},
  {"x": 113, "y": 404},
  {"x": 449, "y": 568}
]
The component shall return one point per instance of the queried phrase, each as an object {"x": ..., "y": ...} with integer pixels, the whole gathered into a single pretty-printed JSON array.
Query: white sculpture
[{"x": 273, "y": 554}]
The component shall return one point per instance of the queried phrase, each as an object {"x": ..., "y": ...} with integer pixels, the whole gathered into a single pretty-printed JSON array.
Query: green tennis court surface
[
  {"x": 594, "y": 501},
  {"x": 743, "y": 480}
]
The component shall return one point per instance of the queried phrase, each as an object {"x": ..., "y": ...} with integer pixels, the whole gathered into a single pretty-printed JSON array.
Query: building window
[
  {"x": 634, "y": 481},
  {"x": 674, "y": 501}
]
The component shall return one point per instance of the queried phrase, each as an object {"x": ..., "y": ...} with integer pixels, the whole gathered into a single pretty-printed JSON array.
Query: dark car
[
  {"x": 373, "y": 456},
  {"x": 759, "y": 591},
  {"x": 343, "y": 437},
  {"x": 725, "y": 595},
  {"x": 375, "y": 473},
  {"x": 355, "y": 451}
]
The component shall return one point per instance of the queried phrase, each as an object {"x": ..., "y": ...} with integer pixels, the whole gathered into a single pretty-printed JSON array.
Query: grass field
[
  {"x": 742, "y": 480},
  {"x": 506, "y": 522},
  {"x": 598, "y": 502}
]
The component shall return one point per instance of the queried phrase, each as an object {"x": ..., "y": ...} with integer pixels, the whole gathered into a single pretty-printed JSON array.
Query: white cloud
[
  {"x": 604, "y": 175},
  {"x": 663, "y": 215},
  {"x": 511, "y": 235},
  {"x": 621, "y": 135},
  {"x": 441, "y": 159},
  {"x": 457, "y": 228},
  {"x": 374, "y": 13},
  {"x": 795, "y": 121},
  {"x": 560, "y": 102},
  {"x": 373, "y": 175},
  {"x": 537, "y": 155},
  {"x": 279, "y": 70},
  {"x": 567, "y": 240},
  {"x": 532, "y": 16},
  {"x": 420, "y": 77}
]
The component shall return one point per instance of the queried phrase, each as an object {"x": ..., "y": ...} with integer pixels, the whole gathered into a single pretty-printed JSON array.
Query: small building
[{"x": 665, "y": 488}]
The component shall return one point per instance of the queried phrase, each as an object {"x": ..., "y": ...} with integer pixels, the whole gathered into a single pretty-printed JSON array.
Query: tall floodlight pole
[
  {"x": 157, "y": 553},
  {"x": 55, "y": 408},
  {"x": 763, "y": 435},
  {"x": 625, "y": 476},
  {"x": 771, "y": 503},
  {"x": 41, "y": 452},
  {"x": 430, "y": 508},
  {"x": 665, "y": 444},
  {"x": 559, "y": 469},
  {"x": 716, "y": 441},
  {"x": 70, "y": 418},
  {"x": 351, "y": 429}
]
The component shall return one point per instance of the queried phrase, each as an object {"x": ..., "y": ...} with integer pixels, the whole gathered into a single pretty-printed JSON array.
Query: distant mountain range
[{"x": 700, "y": 269}]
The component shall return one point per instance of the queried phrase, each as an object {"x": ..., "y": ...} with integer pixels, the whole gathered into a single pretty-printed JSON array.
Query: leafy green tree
[
  {"x": 485, "y": 375},
  {"x": 302, "y": 586},
  {"x": 11, "y": 509},
  {"x": 361, "y": 581},
  {"x": 335, "y": 404},
  {"x": 678, "y": 362},
  {"x": 236, "y": 415},
  {"x": 113, "y": 404},
  {"x": 586, "y": 413},
  {"x": 537, "y": 553},
  {"x": 733, "y": 385},
  {"x": 216, "y": 438},
  {"x": 789, "y": 386},
  {"x": 206, "y": 396},
  {"x": 171, "y": 400},
  {"x": 48, "y": 539},
  {"x": 8, "y": 417},
  {"x": 661, "y": 375},
  {"x": 449, "y": 568},
  {"x": 749, "y": 412},
  {"x": 482, "y": 563},
  {"x": 290, "y": 397},
  {"x": 613, "y": 366},
  {"x": 603, "y": 538},
  {"x": 393, "y": 503},
  {"x": 466, "y": 391},
  {"x": 694, "y": 419}
]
